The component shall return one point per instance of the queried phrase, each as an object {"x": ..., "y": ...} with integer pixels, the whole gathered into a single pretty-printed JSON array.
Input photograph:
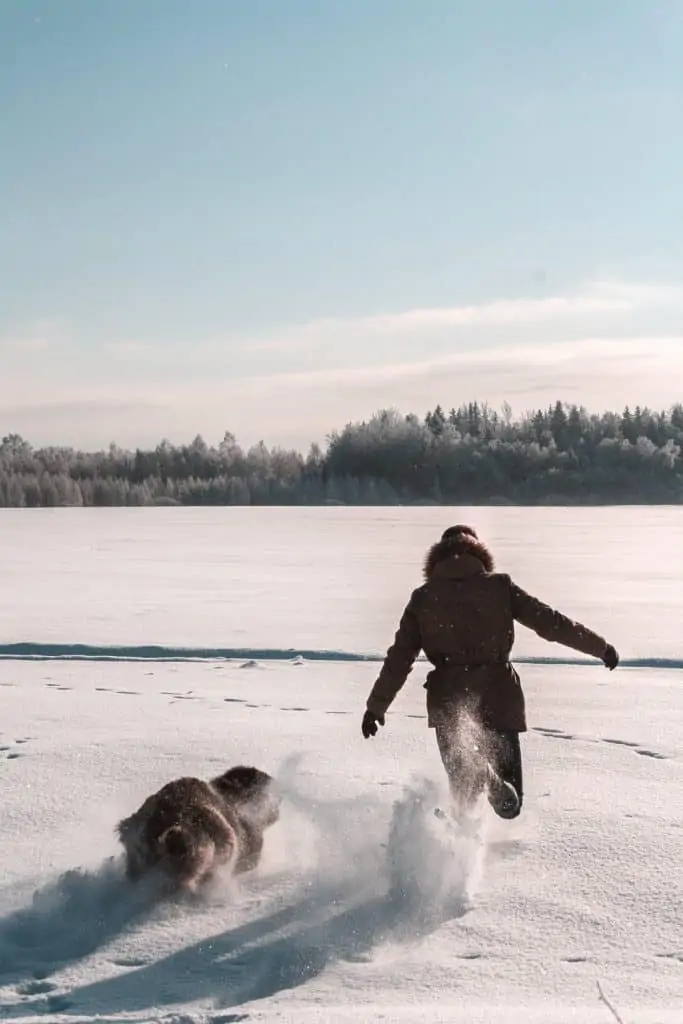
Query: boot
[{"x": 502, "y": 795}]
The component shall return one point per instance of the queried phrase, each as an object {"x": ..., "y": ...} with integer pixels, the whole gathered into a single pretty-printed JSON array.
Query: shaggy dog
[{"x": 189, "y": 828}]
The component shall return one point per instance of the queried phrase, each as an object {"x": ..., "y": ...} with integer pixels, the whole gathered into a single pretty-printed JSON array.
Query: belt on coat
[{"x": 444, "y": 661}]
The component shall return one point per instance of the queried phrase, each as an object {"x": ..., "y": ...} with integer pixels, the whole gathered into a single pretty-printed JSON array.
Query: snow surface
[
  {"x": 334, "y": 578},
  {"x": 366, "y": 906}
]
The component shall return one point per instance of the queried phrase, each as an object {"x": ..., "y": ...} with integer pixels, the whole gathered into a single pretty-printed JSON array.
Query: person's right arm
[{"x": 557, "y": 628}]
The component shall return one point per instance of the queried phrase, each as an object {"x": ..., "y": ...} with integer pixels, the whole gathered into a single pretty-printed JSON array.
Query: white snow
[{"x": 366, "y": 907}]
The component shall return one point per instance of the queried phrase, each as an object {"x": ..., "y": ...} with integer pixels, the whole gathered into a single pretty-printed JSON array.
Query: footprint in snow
[
  {"x": 57, "y": 1004},
  {"x": 35, "y": 988},
  {"x": 636, "y": 747},
  {"x": 130, "y": 961},
  {"x": 554, "y": 734},
  {"x": 558, "y": 734},
  {"x": 12, "y": 753}
]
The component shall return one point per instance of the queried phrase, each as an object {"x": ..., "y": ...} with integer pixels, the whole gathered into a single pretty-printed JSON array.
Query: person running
[{"x": 463, "y": 618}]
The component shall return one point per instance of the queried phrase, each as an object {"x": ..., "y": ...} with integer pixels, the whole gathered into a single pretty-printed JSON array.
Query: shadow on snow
[
  {"x": 359, "y": 893},
  {"x": 69, "y": 919}
]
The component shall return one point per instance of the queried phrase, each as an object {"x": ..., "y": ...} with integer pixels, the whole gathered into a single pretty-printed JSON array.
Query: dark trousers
[{"x": 465, "y": 751}]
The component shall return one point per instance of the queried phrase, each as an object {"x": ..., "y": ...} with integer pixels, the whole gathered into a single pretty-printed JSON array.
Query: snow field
[{"x": 366, "y": 906}]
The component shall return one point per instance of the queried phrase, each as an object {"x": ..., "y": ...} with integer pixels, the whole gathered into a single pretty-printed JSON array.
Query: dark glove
[
  {"x": 370, "y": 722},
  {"x": 610, "y": 658}
]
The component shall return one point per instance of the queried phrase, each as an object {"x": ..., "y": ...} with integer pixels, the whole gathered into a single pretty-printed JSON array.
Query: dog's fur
[{"x": 189, "y": 828}]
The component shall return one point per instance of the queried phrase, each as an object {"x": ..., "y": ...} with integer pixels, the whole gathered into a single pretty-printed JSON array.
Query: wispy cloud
[
  {"x": 614, "y": 344},
  {"x": 639, "y": 295},
  {"x": 595, "y": 301},
  {"x": 295, "y": 408},
  {"x": 129, "y": 349},
  {"x": 338, "y": 342},
  {"x": 25, "y": 343},
  {"x": 615, "y": 356},
  {"x": 34, "y": 336},
  {"x": 599, "y": 373},
  {"x": 602, "y": 307}
]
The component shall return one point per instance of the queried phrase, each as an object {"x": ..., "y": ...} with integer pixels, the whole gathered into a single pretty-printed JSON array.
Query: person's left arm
[{"x": 398, "y": 663}]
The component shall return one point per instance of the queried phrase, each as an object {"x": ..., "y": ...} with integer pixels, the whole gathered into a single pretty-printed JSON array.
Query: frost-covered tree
[{"x": 472, "y": 454}]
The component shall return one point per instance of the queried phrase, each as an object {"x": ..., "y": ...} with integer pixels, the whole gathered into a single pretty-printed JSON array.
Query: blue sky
[{"x": 273, "y": 217}]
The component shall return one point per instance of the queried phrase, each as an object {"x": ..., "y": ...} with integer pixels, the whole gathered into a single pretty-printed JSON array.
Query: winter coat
[{"x": 463, "y": 618}]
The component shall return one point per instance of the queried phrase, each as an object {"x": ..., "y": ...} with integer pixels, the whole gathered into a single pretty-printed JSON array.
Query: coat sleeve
[
  {"x": 398, "y": 662},
  {"x": 553, "y": 626}
]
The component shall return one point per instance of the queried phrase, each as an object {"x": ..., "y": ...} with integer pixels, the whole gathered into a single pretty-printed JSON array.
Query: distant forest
[{"x": 470, "y": 455}]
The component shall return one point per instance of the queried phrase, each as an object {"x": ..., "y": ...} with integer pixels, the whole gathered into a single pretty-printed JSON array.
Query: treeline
[{"x": 472, "y": 454}]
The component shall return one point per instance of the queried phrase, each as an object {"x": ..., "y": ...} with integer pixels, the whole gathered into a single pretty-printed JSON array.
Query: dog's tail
[{"x": 187, "y": 860}]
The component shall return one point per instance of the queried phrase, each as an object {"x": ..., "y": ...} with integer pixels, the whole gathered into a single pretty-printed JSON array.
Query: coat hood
[{"x": 456, "y": 542}]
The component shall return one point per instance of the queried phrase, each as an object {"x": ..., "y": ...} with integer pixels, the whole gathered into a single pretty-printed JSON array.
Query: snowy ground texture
[{"x": 366, "y": 906}]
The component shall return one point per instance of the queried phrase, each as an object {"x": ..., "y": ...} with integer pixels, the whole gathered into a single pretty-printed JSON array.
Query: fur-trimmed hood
[{"x": 458, "y": 543}]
